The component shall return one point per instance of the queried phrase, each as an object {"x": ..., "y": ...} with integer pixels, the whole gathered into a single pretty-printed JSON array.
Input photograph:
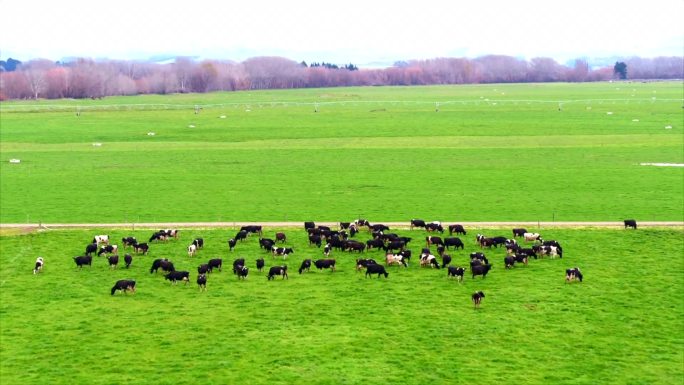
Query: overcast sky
[{"x": 360, "y": 32}]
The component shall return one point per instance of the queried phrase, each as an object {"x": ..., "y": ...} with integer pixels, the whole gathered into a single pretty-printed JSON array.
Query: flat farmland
[{"x": 536, "y": 152}]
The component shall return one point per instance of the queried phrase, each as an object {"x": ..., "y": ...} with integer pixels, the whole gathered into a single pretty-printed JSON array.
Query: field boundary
[{"x": 396, "y": 225}]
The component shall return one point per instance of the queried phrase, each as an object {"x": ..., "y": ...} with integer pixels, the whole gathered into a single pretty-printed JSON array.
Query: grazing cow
[
  {"x": 519, "y": 232},
  {"x": 378, "y": 227},
  {"x": 202, "y": 282},
  {"x": 236, "y": 263},
  {"x": 260, "y": 264},
  {"x": 376, "y": 243},
  {"x": 521, "y": 258},
  {"x": 192, "y": 249},
  {"x": 478, "y": 256},
  {"x": 315, "y": 239},
  {"x": 277, "y": 270},
  {"x": 203, "y": 268},
  {"x": 353, "y": 229},
  {"x": 429, "y": 259},
  {"x": 531, "y": 237},
  {"x": 551, "y": 251},
  {"x": 477, "y": 298},
  {"x": 113, "y": 260},
  {"x": 326, "y": 249},
  {"x": 434, "y": 226},
  {"x": 176, "y": 276},
  {"x": 394, "y": 245},
  {"x": 509, "y": 262},
  {"x": 199, "y": 242},
  {"x": 128, "y": 259},
  {"x": 630, "y": 223},
  {"x": 573, "y": 274},
  {"x": 281, "y": 251},
  {"x": 458, "y": 229},
  {"x": 83, "y": 260},
  {"x": 325, "y": 264},
  {"x": 430, "y": 240},
  {"x": 354, "y": 246},
  {"x": 231, "y": 244},
  {"x": 91, "y": 248},
  {"x": 396, "y": 259},
  {"x": 376, "y": 269},
  {"x": 159, "y": 236},
  {"x": 361, "y": 263},
  {"x": 163, "y": 264},
  {"x": 527, "y": 251},
  {"x": 453, "y": 241},
  {"x": 306, "y": 265},
  {"x": 215, "y": 263},
  {"x": 309, "y": 225},
  {"x": 440, "y": 250},
  {"x": 128, "y": 241},
  {"x": 481, "y": 270},
  {"x": 242, "y": 272},
  {"x": 101, "y": 239},
  {"x": 417, "y": 223},
  {"x": 266, "y": 243},
  {"x": 361, "y": 222},
  {"x": 38, "y": 266},
  {"x": 124, "y": 285},
  {"x": 141, "y": 248},
  {"x": 281, "y": 237},
  {"x": 252, "y": 229},
  {"x": 446, "y": 260},
  {"x": 512, "y": 248},
  {"x": 170, "y": 232},
  {"x": 109, "y": 249},
  {"x": 456, "y": 272},
  {"x": 241, "y": 235}
]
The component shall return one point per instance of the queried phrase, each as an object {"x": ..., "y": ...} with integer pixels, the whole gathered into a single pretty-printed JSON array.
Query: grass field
[
  {"x": 623, "y": 325},
  {"x": 536, "y": 152}
]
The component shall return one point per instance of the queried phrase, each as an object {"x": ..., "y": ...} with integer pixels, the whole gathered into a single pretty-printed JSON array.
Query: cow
[
  {"x": 260, "y": 264},
  {"x": 630, "y": 223},
  {"x": 477, "y": 298},
  {"x": 531, "y": 237},
  {"x": 519, "y": 232},
  {"x": 83, "y": 260},
  {"x": 429, "y": 259},
  {"x": 527, "y": 251},
  {"x": 113, "y": 260},
  {"x": 277, "y": 270},
  {"x": 376, "y": 243},
  {"x": 394, "y": 245},
  {"x": 215, "y": 263},
  {"x": 453, "y": 241},
  {"x": 242, "y": 272},
  {"x": 170, "y": 232},
  {"x": 458, "y": 229},
  {"x": 202, "y": 282},
  {"x": 236, "y": 263},
  {"x": 128, "y": 242},
  {"x": 325, "y": 264},
  {"x": 280, "y": 237},
  {"x": 159, "y": 236},
  {"x": 164, "y": 264},
  {"x": 446, "y": 260},
  {"x": 306, "y": 265},
  {"x": 361, "y": 222},
  {"x": 101, "y": 239},
  {"x": 141, "y": 248},
  {"x": 253, "y": 229},
  {"x": 38, "y": 266},
  {"x": 478, "y": 256},
  {"x": 240, "y": 236},
  {"x": 361, "y": 263},
  {"x": 434, "y": 226},
  {"x": 395, "y": 259},
  {"x": 281, "y": 251},
  {"x": 192, "y": 249},
  {"x": 176, "y": 276},
  {"x": 551, "y": 251},
  {"x": 266, "y": 243},
  {"x": 128, "y": 259},
  {"x": 309, "y": 225},
  {"x": 326, "y": 249},
  {"x": 231, "y": 243},
  {"x": 494, "y": 241},
  {"x": 521, "y": 258},
  {"x": 509, "y": 261},
  {"x": 203, "y": 268},
  {"x": 124, "y": 285},
  {"x": 481, "y": 270},
  {"x": 315, "y": 239},
  {"x": 199, "y": 242},
  {"x": 376, "y": 269},
  {"x": 430, "y": 240},
  {"x": 354, "y": 246},
  {"x": 456, "y": 272},
  {"x": 344, "y": 225},
  {"x": 90, "y": 249},
  {"x": 573, "y": 274},
  {"x": 417, "y": 223},
  {"x": 108, "y": 249}
]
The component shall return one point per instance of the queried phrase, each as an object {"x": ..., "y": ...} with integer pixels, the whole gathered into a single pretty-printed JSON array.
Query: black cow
[
  {"x": 325, "y": 264},
  {"x": 378, "y": 227},
  {"x": 254, "y": 229},
  {"x": 306, "y": 265},
  {"x": 376, "y": 243},
  {"x": 281, "y": 251},
  {"x": 376, "y": 269},
  {"x": 240, "y": 236},
  {"x": 631, "y": 223},
  {"x": 361, "y": 222},
  {"x": 202, "y": 282},
  {"x": 430, "y": 240},
  {"x": 266, "y": 243},
  {"x": 128, "y": 259},
  {"x": 90, "y": 249},
  {"x": 236, "y": 263},
  {"x": 277, "y": 270},
  {"x": 417, "y": 223},
  {"x": 124, "y": 285},
  {"x": 446, "y": 260},
  {"x": 521, "y": 258},
  {"x": 477, "y": 298},
  {"x": 315, "y": 239},
  {"x": 128, "y": 241},
  {"x": 163, "y": 264},
  {"x": 394, "y": 245},
  {"x": 260, "y": 264},
  {"x": 38, "y": 266},
  {"x": 479, "y": 256},
  {"x": 198, "y": 242},
  {"x": 281, "y": 237},
  {"x": 176, "y": 276},
  {"x": 216, "y": 263},
  {"x": 141, "y": 248},
  {"x": 354, "y": 246},
  {"x": 361, "y": 263},
  {"x": 509, "y": 261},
  {"x": 309, "y": 225},
  {"x": 456, "y": 272},
  {"x": 83, "y": 260},
  {"x": 203, "y": 268},
  {"x": 481, "y": 270},
  {"x": 434, "y": 227},
  {"x": 231, "y": 243},
  {"x": 573, "y": 274},
  {"x": 242, "y": 272},
  {"x": 453, "y": 241},
  {"x": 113, "y": 260},
  {"x": 458, "y": 229},
  {"x": 107, "y": 249},
  {"x": 519, "y": 232}
]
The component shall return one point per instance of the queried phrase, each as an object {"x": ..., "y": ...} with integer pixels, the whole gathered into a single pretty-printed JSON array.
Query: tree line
[{"x": 86, "y": 78}]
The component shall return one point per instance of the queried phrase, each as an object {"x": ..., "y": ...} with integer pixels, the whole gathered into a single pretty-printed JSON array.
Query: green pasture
[
  {"x": 623, "y": 325},
  {"x": 501, "y": 152}
]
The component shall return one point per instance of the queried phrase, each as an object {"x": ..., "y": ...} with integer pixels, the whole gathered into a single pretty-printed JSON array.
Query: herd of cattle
[{"x": 395, "y": 247}]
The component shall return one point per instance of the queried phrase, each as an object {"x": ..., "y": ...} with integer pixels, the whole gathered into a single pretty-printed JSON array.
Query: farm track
[{"x": 396, "y": 225}]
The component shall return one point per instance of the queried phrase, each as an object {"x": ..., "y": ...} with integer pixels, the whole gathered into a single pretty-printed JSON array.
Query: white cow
[
  {"x": 531, "y": 237},
  {"x": 192, "y": 249}
]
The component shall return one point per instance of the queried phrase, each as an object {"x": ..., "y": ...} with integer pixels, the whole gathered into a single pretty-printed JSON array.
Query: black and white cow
[
  {"x": 478, "y": 256},
  {"x": 215, "y": 263},
  {"x": 480, "y": 270},
  {"x": 430, "y": 240},
  {"x": 141, "y": 248},
  {"x": 477, "y": 299},
  {"x": 242, "y": 272},
  {"x": 519, "y": 232},
  {"x": 159, "y": 236},
  {"x": 417, "y": 223},
  {"x": 573, "y": 274},
  {"x": 453, "y": 241},
  {"x": 521, "y": 258},
  {"x": 176, "y": 276},
  {"x": 39, "y": 265},
  {"x": 362, "y": 262},
  {"x": 260, "y": 264},
  {"x": 458, "y": 229},
  {"x": 128, "y": 259},
  {"x": 551, "y": 251},
  {"x": 101, "y": 239},
  {"x": 326, "y": 263},
  {"x": 238, "y": 262},
  {"x": 326, "y": 249},
  {"x": 281, "y": 251},
  {"x": 434, "y": 226},
  {"x": 429, "y": 260},
  {"x": 91, "y": 248},
  {"x": 163, "y": 264},
  {"x": 170, "y": 232},
  {"x": 192, "y": 249},
  {"x": 128, "y": 241},
  {"x": 198, "y": 242},
  {"x": 306, "y": 265},
  {"x": 376, "y": 269},
  {"x": 83, "y": 260},
  {"x": 202, "y": 282},
  {"x": 277, "y": 270},
  {"x": 396, "y": 259},
  {"x": 113, "y": 261},
  {"x": 124, "y": 285},
  {"x": 456, "y": 272},
  {"x": 531, "y": 237},
  {"x": 630, "y": 223},
  {"x": 231, "y": 244},
  {"x": 108, "y": 249}
]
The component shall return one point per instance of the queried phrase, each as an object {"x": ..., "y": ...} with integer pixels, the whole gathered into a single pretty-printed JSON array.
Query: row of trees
[{"x": 85, "y": 78}]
